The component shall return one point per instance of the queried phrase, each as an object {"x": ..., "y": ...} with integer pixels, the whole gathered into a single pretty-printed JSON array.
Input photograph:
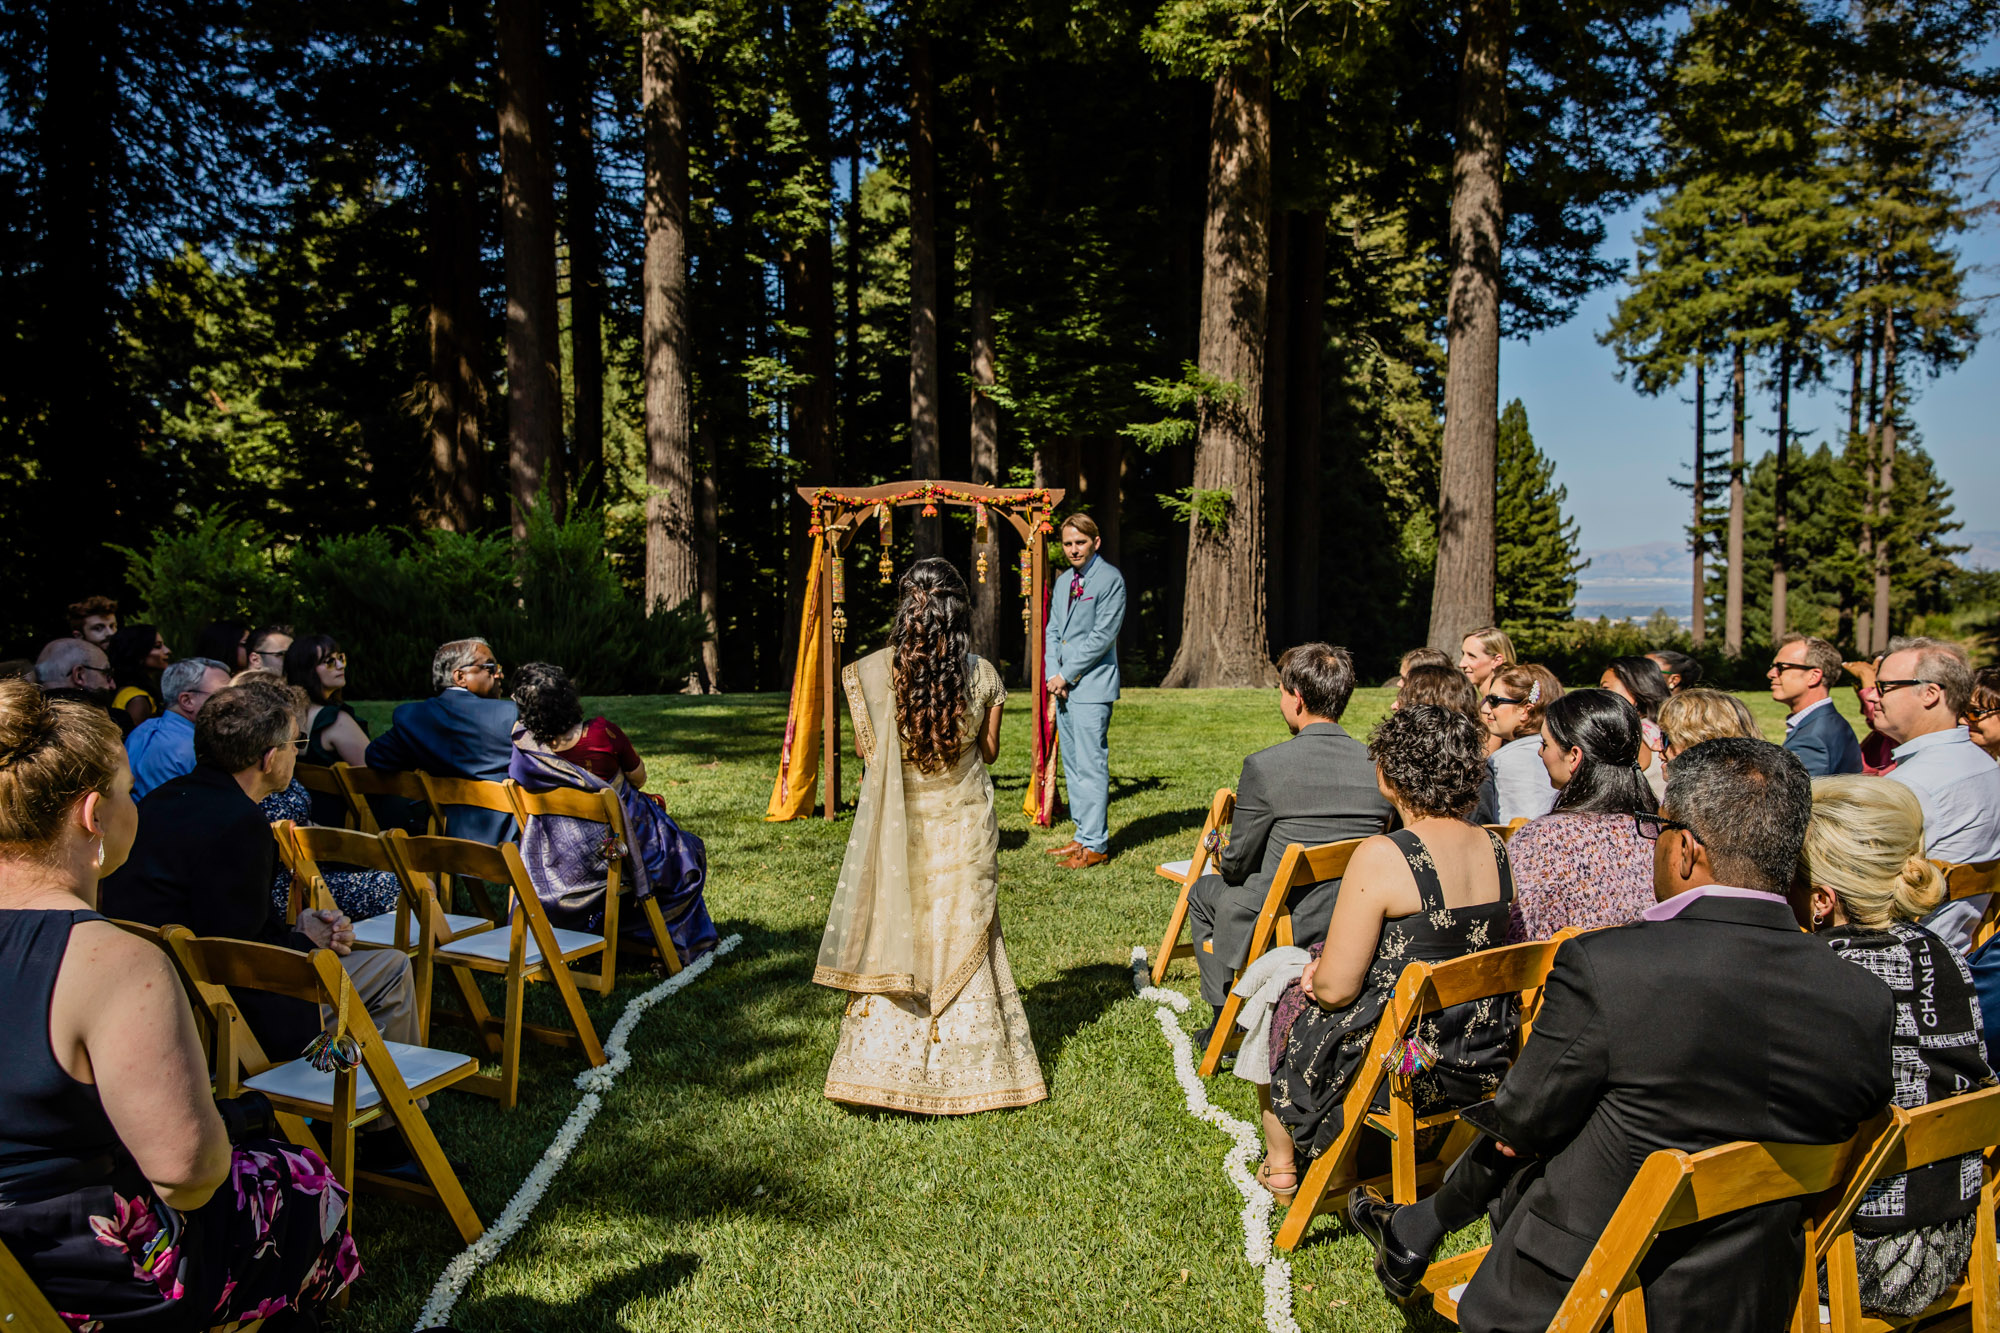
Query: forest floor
[{"x": 718, "y": 1190}]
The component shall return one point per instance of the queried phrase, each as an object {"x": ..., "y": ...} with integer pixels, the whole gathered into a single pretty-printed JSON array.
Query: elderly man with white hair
[
  {"x": 466, "y": 730},
  {"x": 75, "y": 668},
  {"x": 162, "y": 748}
]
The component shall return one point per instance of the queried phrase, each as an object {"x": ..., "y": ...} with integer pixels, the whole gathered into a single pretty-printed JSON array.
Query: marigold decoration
[
  {"x": 981, "y": 535},
  {"x": 883, "y": 515},
  {"x": 982, "y": 566}
]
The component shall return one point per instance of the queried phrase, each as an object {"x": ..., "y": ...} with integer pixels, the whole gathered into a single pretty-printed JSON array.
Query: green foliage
[
  {"x": 1537, "y": 544},
  {"x": 1190, "y": 397},
  {"x": 1210, "y": 507},
  {"x": 217, "y": 568}
]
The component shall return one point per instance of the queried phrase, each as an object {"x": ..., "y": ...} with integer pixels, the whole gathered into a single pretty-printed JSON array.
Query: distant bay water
[{"x": 1632, "y": 582}]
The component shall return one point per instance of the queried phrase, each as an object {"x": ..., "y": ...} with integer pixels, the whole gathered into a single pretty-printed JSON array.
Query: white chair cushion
[
  {"x": 1457, "y": 1293},
  {"x": 1178, "y": 869},
  {"x": 492, "y": 946},
  {"x": 301, "y": 1082},
  {"x": 380, "y": 931}
]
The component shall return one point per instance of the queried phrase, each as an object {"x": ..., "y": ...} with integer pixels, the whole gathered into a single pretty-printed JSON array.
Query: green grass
[{"x": 718, "y": 1190}]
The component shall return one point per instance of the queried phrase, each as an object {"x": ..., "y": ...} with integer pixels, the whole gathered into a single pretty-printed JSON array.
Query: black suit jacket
[
  {"x": 204, "y": 858},
  {"x": 1726, "y": 1022},
  {"x": 457, "y": 734}
]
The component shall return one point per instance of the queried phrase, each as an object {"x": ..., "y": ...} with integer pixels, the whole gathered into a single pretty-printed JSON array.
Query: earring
[{"x": 97, "y": 854}]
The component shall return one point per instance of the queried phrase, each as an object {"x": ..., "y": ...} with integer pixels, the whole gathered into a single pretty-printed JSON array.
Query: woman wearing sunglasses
[
  {"x": 1515, "y": 701},
  {"x": 1982, "y": 714},
  {"x": 334, "y": 734}
]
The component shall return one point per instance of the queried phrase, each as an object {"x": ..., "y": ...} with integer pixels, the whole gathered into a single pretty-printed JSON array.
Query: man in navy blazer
[
  {"x": 465, "y": 731},
  {"x": 1802, "y": 675},
  {"x": 1080, "y": 663}
]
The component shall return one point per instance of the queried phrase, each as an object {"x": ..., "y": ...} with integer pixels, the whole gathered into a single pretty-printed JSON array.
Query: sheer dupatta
[{"x": 919, "y": 884}]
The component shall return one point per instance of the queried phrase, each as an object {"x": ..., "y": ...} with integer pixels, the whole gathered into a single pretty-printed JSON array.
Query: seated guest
[
  {"x": 1441, "y": 686},
  {"x": 1925, "y": 685},
  {"x": 1435, "y": 889},
  {"x": 162, "y": 748},
  {"x": 121, "y": 1183},
  {"x": 1982, "y": 711},
  {"x": 1713, "y": 1019},
  {"x": 1681, "y": 671},
  {"x": 1315, "y": 788},
  {"x": 1584, "y": 864},
  {"x": 334, "y": 734},
  {"x": 1802, "y": 675},
  {"x": 204, "y": 858},
  {"x": 225, "y": 641},
  {"x": 1876, "y": 747},
  {"x": 1415, "y": 658},
  {"x": 267, "y": 649},
  {"x": 138, "y": 656},
  {"x": 94, "y": 620},
  {"x": 1697, "y": 715},
  {"x": 566, "y": 857},
  {"x": 77, "y": 670},
  {"x": 1517, "y": 784},
  {"x": 1639, "y": 682},
  {"x": 1484, "y": 652},
  {"x": 1871, "y": 884},
  {"x": 465, "y": 731}
]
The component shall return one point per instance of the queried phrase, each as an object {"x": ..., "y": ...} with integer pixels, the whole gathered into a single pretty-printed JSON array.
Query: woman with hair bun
[
  {"x": 1871, "y": 885},
  {"x": 934, "y": 1023},
  {"x": 1516, "y": 699}
]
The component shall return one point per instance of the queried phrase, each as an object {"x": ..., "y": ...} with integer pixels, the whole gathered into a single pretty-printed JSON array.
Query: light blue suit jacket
[{"x": 1081, "y": 639}]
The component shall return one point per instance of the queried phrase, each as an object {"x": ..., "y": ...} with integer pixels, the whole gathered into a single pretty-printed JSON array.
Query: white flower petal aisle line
[
  {"x": 594, "y": 1082},
  {"x": 1257, "y": 1201}
]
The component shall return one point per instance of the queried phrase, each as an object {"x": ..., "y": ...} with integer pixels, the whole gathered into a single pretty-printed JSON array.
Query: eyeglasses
[
  {"x": 1890, "y": 686},
  {"x": 1651, "y": 826},
  {"x": 1500, "y": 701},
  {"x": 1980, "y": 714},
  {"x": 1793, "y": 666},
  {"x": 494, "y": 667},
  {"x": 336, "y": 660}
]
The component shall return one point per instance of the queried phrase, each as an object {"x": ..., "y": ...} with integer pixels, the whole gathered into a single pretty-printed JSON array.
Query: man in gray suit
[{"x": 1317, "y": 787}]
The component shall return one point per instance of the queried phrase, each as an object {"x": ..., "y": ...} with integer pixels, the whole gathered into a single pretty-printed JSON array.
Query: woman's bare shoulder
[{"x": 105, "y": 960}]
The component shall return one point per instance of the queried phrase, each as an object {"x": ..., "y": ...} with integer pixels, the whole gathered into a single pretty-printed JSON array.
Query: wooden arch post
[{"x": 840, "y": 511}]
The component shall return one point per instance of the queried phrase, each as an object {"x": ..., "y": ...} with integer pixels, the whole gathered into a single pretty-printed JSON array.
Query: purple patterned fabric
[{"x": 1582, "y": 870}]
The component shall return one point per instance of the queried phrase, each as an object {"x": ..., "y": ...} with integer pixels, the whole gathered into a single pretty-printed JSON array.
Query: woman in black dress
[{"x": 1436, "y": 889}]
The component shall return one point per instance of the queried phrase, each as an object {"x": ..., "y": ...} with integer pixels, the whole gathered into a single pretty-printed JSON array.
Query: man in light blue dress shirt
[
  {"x": 1925, "y": 685},
  {"x": 161, "y": 748},
  {"x": 1080, "y": 663}
]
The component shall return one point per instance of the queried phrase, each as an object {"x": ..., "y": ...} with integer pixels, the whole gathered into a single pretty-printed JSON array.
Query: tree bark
[
  {"x": 528, "y": 241},
  {"x": 1277, "y": 395},
  {"x": 1864, "y": 623},
  {"x": 1732, "y": 578},
  {"x": 985, "y": 433},
  {"x": 1223, "y": 638},
  {"x": 671, "y": 565},
  {"x": 583, "y": 195},
  {"x": 1462, "y": 598},
  {"x": 1780, "y": 611},
  {"x": 1885, "y": 484},
  {"x": 1302, "y": 427},
  {"x": 709, "y": 564},
  {"x": 455, "y": 408},
  {"x": 807, "y": 267},
  {"x": 1700, "y": 621},
  {"x": 924, "y": 437}
]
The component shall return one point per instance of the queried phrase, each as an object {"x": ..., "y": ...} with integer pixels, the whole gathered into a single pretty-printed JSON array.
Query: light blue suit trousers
[{"x": 1084, "y": 732}]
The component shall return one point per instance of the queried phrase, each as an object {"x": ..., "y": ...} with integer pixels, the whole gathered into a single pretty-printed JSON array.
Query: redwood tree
[
  {"x": 985, "y": 451},
  {"x": 528, "y": 240},
  {"x": 925, "y": 456},
  {"x": 671, "y": 562}
]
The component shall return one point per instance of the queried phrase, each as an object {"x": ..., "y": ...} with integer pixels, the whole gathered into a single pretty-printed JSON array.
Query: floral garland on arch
[{"x": 1036, "y": 506}]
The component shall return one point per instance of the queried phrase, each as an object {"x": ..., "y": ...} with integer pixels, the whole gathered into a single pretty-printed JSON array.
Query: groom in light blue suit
[{"x": 1080, "y": 660}]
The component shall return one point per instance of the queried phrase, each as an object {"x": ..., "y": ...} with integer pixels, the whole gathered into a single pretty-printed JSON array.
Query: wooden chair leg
[
  {"x": 579, "y": 1017},
  {"x": 1983, "y": 1272},
  {"x": 1171, "y": 941},
  {"x": 510, "y": 1049},
  {"x": 1219, "y": 1042},
  {"x": 423, "y": 1145},
  {"x": 1403, "y": 1150},
  {"x": 1843, "y": 1287},
  {"x": 662, "y": 941},
  {"x": 1630, "y": 1314},
  {"x": 475, "y": 1013}
]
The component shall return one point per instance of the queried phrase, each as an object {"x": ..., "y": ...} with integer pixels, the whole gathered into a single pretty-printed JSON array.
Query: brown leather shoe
[
  {"x": 1070, "y": 848},
  {"x": 1084, "y": 859}
]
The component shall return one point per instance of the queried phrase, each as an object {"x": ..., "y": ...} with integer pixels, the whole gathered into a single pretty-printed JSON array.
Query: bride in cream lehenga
[{"x": 934, "y": 1024}]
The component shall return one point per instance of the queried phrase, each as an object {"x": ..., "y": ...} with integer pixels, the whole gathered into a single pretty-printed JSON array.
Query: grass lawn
[{"x": 718, "y": 1190}]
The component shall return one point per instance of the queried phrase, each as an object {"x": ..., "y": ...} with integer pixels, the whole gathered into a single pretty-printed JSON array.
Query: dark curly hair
[
  {"x": 1433, "y": 759},
  {"x": 547, "y": 700},
  {"x": 929, "y": 647},
  {"x": 1606, "y": 729}
]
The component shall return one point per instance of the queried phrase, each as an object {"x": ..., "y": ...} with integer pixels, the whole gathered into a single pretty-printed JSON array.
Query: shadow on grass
[
  {"x": 1068, "y": 1002},
  {"x": 1159, "y": 824},
  {"x": 600, "y": 1307}
]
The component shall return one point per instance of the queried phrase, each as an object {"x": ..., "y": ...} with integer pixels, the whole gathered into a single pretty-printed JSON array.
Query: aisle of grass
[{"x": 719, "y": 1191}]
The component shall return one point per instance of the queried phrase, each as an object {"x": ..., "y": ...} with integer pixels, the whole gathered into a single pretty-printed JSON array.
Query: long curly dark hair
[{"x": 929, "y": 647}]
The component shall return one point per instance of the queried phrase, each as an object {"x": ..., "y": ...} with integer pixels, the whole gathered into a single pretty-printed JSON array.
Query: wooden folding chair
[
  {"x": 361, "y": 783},
  {"x": 1184, "y": 873},
  {"x": 1938, "y": 1132},
  {"x": 1506, "y": 830},
  {"x": 1510, "y": 972},
  {"x": 322, "y": 780},
  {"x": 1970, "y": 879},
  {"x": 389, "y": 1079},
  {"x": 601, "y": 807},
  {"x": 1675, "y": 1189},
  {"x": 1302, "y": 866},
  {"x": 23, "y": 1308},
  {"x": 529, "y": 950}
]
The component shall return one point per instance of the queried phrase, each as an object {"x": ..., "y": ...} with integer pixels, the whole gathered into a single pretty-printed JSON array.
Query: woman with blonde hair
[
  {"x": 1700, "y": 714},
  {"x": 1871, "y": 886},
  {"x": 1516, "y": 699},
  {"x": 1485, "y": 651}
]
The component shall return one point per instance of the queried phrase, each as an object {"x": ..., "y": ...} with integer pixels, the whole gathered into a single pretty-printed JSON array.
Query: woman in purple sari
[{"x": 569, "y": 859}]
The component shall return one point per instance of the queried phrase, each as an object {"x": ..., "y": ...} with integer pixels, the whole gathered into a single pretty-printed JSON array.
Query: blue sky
[{"x": 1616, "y": 449}]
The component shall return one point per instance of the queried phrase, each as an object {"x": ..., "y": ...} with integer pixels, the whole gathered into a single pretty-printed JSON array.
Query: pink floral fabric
[{"x": 1581, "y": 870}]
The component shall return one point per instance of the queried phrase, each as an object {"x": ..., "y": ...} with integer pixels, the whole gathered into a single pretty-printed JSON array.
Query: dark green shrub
[{"x": 218, "y": 568}]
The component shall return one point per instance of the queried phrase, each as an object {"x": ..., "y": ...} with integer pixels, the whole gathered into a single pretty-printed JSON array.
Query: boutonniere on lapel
[{"x": 1076, "y": 587}]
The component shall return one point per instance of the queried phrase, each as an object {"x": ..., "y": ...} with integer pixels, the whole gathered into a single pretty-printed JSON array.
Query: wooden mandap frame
[{"x": 838, "y": 514}]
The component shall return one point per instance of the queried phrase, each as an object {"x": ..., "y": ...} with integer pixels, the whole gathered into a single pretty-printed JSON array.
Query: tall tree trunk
[
  {"x": 528, "y": 241},
  {"x": 1864, "y": 623},
  {"x": 583, "y": 195},
  {"x": 985, "y": 434},
  {"x": 1302, "y": 429},
  {"x": 709, "y": 566},
  {"x": 1462, "y": 598},
  {"x": 1885, "y": 484},
  {"x": 1223, "y": 639},
  {"x": 1852, "y": 617},
  {"x": 1732, "y": 577},
  {"x": 1277, "y": 395},
  {"x": 671, "y": 566},
  {"x": 807, "y": 266},
  {"x": 455, "y": 410},
  {"x": 925, "y": 458},
  {"x": 1700, "y": 621},
  {"x": 850, "y": 379},
  {"x": 1781, "y": 622}
]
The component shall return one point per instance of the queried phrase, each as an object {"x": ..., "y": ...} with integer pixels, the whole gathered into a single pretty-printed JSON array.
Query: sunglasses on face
[
  {"x": 1793, "y": 666},
  {"x": 338, "y": 661},
  {"x": 1891, "y": 686},
  {"x": 1498, "y": 701},
  {"x": 1980, "y": 714}
]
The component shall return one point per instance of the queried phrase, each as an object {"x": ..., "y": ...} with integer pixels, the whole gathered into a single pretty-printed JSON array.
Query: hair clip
[{"x": 1534, "y": 693}]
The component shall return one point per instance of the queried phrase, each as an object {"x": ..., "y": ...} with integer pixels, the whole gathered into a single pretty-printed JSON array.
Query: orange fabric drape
[{"x": 793, "y": 790}]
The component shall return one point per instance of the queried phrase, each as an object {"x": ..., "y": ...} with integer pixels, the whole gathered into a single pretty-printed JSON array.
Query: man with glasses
[
  {"x": 1712, "y": 1018},
  {"x": 267, "y": 648},
  {"x": 75, "y": 669},
  {"x": 1802, "y": 675},
  {"x": 465, "y": 731},
  {"x": 161, "y": 748},
  {"x": 1925, "y": 687}
]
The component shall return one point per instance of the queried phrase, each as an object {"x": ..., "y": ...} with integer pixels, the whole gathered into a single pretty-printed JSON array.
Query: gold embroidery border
[
  {"x": 857, "y": 706},
  {"x": 855, "y": 1094}
]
